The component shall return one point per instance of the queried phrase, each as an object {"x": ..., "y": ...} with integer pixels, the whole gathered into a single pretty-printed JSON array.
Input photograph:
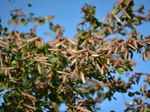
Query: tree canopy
[{"x": 38, "y": 76}]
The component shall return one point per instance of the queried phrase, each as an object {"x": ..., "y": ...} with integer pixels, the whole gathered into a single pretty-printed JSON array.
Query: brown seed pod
[{"x": 39, "y": 43}]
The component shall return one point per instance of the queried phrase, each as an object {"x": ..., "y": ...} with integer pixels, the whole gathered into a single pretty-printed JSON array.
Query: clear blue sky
[{"x": 68, "y": 14}]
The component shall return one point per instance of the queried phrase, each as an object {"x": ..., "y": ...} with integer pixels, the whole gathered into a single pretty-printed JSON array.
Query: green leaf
[
  {"x": 14, "y": 62},
  {"x": 120, "y": 70}
]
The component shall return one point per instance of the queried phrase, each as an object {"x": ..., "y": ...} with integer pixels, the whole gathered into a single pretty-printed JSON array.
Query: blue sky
[{"x": 68, "y": 14}]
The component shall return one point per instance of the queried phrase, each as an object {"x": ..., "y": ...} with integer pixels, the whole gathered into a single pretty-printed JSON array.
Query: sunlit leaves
[
  {"x": 18, "y": 17},
  {"x": 89, "y": 10},
  {"x": 43, "y": 75}
]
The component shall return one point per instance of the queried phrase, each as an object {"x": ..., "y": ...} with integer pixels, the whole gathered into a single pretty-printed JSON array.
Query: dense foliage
[{"x": 37, "y": 76}]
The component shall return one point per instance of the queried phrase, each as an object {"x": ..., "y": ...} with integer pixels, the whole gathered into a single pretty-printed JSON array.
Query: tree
[{"x": 37, "y": 76}]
